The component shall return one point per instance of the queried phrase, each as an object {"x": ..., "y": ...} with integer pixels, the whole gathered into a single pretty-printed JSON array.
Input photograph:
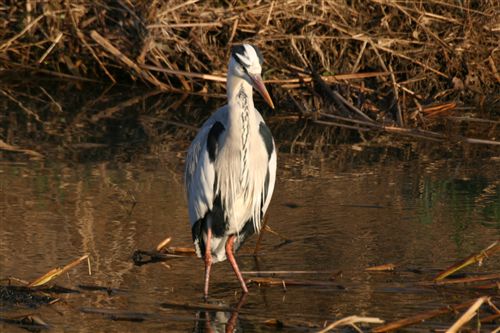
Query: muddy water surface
[{"x": 342, "y": 216}]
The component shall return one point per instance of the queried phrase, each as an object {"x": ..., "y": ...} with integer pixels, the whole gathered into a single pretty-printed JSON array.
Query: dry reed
[{"x": 384, "y": 66}]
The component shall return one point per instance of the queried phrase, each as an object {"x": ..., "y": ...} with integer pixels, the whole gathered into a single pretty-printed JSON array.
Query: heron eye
[{"x": 245, "y": 69}]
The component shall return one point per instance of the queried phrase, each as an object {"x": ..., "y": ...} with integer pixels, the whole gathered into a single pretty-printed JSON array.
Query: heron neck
[{"x": 241, "y": 107}]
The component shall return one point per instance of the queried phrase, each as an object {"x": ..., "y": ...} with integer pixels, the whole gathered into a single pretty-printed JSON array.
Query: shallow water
[{"x": 342, "y": 215}]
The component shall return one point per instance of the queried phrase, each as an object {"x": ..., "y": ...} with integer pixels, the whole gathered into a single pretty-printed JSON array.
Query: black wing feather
[
  {"x": 217, "y": 212},
  {"x": 213, "y": 140},
  {"x": 267, "y": 137}
]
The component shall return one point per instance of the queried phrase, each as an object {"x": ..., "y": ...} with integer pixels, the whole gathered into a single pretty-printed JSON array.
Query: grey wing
[
  {"x": 200, "y": 172},
  {"x": 270, "y": 181}
]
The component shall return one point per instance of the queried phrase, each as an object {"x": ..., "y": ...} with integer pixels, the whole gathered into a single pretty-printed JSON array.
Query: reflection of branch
[
  {"x": 7, "y": 147},
  {"x": 266, "y": 228},
  {"x": 413, "y": 132},
  {"x": 196, "y": 306},
  {"x": 261, "y": 235},
  {"x": 109, "y": 112},
  {"x": 21, "y": 105}
]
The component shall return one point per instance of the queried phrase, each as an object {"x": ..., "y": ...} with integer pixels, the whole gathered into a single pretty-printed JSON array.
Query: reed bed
[{"x": 400, "y": 67}]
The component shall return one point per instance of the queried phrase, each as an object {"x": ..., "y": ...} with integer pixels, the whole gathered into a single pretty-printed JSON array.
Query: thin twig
[
  {"x": 54, "y": 43},
  {"x": 261, "y": 235},
  {"x": 475, "y": 258},
  {"x": 395, "y": 325},
  {"x": 351, "y": 320}
]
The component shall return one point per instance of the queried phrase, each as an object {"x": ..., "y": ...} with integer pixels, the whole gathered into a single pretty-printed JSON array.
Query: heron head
[{"x": 246, "y": 62}]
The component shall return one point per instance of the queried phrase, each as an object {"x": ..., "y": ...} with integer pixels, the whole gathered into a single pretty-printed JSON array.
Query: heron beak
[{"x": 258, "y": 84}]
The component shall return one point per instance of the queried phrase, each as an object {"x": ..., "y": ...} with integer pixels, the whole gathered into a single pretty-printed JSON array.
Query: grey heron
[{"x": 231, "y": 167}]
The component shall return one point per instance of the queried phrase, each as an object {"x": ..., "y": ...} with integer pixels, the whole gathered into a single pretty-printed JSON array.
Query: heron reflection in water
[{"x": 223, "y": 320}]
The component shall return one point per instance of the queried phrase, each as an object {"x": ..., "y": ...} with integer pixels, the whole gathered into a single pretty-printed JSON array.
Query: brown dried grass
[
  {"x": 408, "y": 63},
  {"x": 428, "y": 43}
]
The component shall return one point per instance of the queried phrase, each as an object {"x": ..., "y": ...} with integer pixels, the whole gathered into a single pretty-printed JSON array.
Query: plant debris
[
  {"x": 31, "y": 322},
  {"x": 52, "y": 274},
  {"x": 424, "y": 71},
  {"x": 475, "y": 258},
  {"x": 14, "y": 296}
]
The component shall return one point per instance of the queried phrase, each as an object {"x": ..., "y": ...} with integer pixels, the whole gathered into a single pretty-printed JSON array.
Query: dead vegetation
[
  {"x": 426, "y": 70},
  {"x": 18, "y": 295}
]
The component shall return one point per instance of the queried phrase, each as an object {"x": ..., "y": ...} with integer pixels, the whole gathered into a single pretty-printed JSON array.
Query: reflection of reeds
[
  {"x": 31, "y": 322},
  {"x": 12, "y": 148}
]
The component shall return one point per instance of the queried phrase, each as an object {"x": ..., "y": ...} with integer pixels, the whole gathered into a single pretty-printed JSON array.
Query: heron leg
[
  {"x": 208, "y": 261},
  {"x": 234, "y": 264}
]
